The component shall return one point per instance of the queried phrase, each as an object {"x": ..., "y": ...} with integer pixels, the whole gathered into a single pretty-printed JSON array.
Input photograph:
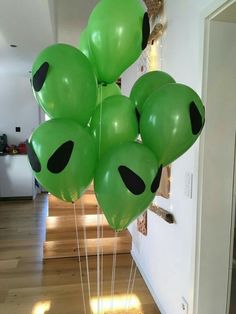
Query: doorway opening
[{"x": 217, "y": 160}]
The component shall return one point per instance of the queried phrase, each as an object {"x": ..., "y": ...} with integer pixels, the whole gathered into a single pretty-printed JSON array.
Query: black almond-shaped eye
[
  {"x": 60, "y": 158},
  {"x": 40, "y": 76},
  {"x": 33, "y": 158},
  {"x": 146, "y": 30},
  {"x": 138, "y": 118},
  {"x": 196, "y": 118},
  {"x": 156, "y": 181},
  {"x": 131, "y": 180}
]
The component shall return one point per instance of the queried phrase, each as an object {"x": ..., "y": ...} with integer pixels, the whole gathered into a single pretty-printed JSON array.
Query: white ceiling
[
  {"x": 71, "y": 18},
  {"x": 36, "y": 24},
  {"x": 27, "y": 24}
]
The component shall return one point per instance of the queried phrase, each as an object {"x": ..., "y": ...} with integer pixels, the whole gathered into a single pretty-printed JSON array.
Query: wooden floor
[{"x": 30, "y": 286}]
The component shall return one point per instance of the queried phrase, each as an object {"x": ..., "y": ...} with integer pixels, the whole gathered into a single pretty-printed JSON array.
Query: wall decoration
[
  {"x": 142, "y": 223},
  {"x": 164, "y": 214},
  {"x": 142, "y": 65},
  {"x": 149, "y": 60},
  {"x": 164, "y": 188},
  {"x": 154, "y": 7}
]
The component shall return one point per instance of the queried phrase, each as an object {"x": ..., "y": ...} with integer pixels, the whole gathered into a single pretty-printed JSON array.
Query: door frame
[{"x": 206, "y": 17}]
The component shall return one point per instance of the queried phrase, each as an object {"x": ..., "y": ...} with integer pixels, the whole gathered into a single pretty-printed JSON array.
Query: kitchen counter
[{"x": 16, "y": 177}]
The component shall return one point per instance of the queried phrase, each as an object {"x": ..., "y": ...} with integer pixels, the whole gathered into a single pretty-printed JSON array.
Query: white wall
[
  {"x": 17, "y": 108},
  {"x": 167, "y": 255}
]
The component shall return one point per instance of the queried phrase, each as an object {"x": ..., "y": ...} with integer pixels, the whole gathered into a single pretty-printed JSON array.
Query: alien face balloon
[
  {"x": 117, "y": 31},
  {"x": 64, "y": 83},
  {"x": 126, "y": 181},
  {"x": 171, "y": 122},
  {"x": 63, "y": 157}
]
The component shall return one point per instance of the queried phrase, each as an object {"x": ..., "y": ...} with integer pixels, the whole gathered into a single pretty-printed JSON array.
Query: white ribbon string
[
  {"x": 102, "y": 252},
  {"x": 86, "y": 251},
  {"x": 99, "y": 276},
  {"x": 129, "y": 285},
  {"x": 98, "y": 259},
  {"x": 79, "y": 257},
  {"x": 132, "y": 287},
  {"x": 113, "y": 277}
]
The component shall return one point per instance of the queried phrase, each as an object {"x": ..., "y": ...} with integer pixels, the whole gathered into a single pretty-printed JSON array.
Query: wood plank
[
  {"x": 87, "y": 199},
  {"x": 8, "y": 264},
  {"x": 68, "y": 248},
  {"x": 70, "y": 233},
  {"x": 69, "y": 211},
  {"x": 69, "y": 221}
]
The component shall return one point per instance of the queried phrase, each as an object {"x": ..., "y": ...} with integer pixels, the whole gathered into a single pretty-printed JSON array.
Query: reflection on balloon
[
  {"x": 64, "y": 83},
  {"x": 147, "y": 84},
  {"x": 114, "y": 122},
  {"x": 83, "y": 44},
  {"x": 85, "y": 49},
  {"x": 125, "y": 183},
  {"x": 112, "y": 27},
  {"x": 171, "y": 121},
  {"x": 63, "y": 157}
]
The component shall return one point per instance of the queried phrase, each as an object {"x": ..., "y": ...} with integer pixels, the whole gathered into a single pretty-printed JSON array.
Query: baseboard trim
[
  {"x": 16, "y": 198},
  {"x": 134, "y": 255}
]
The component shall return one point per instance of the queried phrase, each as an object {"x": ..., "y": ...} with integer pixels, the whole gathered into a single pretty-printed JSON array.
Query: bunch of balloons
[{"x": 93, "y": 130}]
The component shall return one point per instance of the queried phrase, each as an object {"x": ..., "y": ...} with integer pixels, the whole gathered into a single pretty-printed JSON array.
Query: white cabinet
[{"x": 16, "y": 177}]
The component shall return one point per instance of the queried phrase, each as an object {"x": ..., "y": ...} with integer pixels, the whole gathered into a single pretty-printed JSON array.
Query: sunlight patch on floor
[
  {"x": 41, "y": 307},
  {"x": 116, "y": 304}
]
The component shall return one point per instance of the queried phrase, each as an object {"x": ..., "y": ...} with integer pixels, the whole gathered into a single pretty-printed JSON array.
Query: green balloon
[
  {"x": 64, "y": 83},
  {"x": 117, "y": 31},
  {"x": 105, "y": 91},
  {"x": 84, "y": 47},
  {"x": 147, "y": 84},
  {"x": 83, "y": 44},
  {"x": 125, "y": 183},
  {"x": 63, "y": 158},
  {"x": 114, "y": 122},
  {"x": 171, "y": 122}
]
